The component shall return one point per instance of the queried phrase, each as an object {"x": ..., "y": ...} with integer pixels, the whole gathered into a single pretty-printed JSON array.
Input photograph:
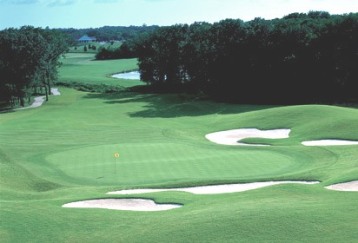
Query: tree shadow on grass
[
  {"x": 5, "y": 108},
  {"x": 174, "y": 105}
]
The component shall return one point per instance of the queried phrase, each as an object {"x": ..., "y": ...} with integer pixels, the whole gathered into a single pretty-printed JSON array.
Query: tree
[
  {"x": 56, "y": 46},
  {"x": 227, "y": 61},
  {"x": 21, "y": 53},
  {"x": 28, "y": 59},
  {"x": 297, "y": 59},
  {"x": 160, "y": 54},
  {"x": 126, "y": 50},
  {"x": 196, "y": 54}
]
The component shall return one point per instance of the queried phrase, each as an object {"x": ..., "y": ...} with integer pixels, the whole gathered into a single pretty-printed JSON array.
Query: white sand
[
  {"x": 215, "y": 189},
  {"x": 231, "y": 137},
  {"x": 122, "y": 204},
  {"x": 329, "y": 142},
  {"x": 347, "y": 186},
  {"x": 55, "y": 91}
]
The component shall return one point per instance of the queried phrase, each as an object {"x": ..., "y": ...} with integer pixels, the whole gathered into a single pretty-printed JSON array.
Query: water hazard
[{"x": 135, "y": 75}]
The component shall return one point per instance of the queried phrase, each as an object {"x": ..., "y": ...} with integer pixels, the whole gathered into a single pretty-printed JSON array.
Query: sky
[{"x": 98, "y": 13}]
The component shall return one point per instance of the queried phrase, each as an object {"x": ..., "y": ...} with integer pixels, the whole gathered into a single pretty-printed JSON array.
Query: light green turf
[
  {"x": 63, "y": 152},
  {"x": 83, "y": 68}
]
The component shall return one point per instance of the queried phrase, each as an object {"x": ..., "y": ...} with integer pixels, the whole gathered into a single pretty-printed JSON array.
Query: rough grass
[{"x": 63, "y": 152}]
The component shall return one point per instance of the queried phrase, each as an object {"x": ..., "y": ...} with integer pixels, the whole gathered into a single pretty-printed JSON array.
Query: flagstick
[{"x": 116, "y": 156}]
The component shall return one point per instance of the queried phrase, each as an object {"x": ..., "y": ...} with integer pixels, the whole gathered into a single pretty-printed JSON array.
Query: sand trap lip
[
  {"x": 215, "y": 189},
  {"x": 351, "y": 186},
  {"x": 231, "y": 137},
  {"x": 329, "y": 142},
  {"x": 135, "y": 75},
  {"x": 122, "y": 204}
]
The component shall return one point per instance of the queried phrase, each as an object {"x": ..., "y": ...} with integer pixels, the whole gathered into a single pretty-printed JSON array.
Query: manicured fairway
[
  {"x": 83, "y": 68},
  {"x": 64, "y": 152}
]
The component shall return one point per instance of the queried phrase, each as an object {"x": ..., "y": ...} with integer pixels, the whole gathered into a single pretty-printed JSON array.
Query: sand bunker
[
  {"x": 329, "y": 142},
  {"x": 150, "y": 205},
  {"x": 122, "y": 204},
  {"x": 347, "y": 186},
  {"x": 231, "y": 137},
  {"x": 55, "y": 91},
  {"x": 215, "y": 189}
]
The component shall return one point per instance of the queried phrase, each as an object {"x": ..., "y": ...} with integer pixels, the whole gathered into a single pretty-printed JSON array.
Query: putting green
[{"x": 167, "y": 162}]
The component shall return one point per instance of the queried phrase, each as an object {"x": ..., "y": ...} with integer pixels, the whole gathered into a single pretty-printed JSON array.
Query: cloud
[
  {"x": 19, "y": 1},
  {"x": 61, "y": 3}
]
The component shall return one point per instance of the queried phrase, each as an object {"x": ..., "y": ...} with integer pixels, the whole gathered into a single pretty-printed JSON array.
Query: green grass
[
  {"x": 83, "y": 69},
  {"x": 63, "y": 152}
]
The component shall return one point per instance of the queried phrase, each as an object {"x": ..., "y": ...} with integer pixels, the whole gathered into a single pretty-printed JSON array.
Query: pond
[{"x": 129, "y": 75}]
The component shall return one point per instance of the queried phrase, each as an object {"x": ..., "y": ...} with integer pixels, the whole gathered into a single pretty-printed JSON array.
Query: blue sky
[{"x": 97, "y": 13}]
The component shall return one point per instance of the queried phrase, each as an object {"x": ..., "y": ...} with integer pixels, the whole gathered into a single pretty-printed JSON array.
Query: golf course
[{"x": 82, "y": 146}]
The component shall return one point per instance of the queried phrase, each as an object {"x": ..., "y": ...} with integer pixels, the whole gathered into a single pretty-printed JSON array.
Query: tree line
[
  {"x": 29, "y": 58},
  {"x": 302, "y": 57},
  {"x": 126, "y": 50},
  {"x": 109, "y": 33}
]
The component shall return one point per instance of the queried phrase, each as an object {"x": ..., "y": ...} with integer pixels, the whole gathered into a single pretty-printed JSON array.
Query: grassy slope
[{"x": 63, "y": 152}]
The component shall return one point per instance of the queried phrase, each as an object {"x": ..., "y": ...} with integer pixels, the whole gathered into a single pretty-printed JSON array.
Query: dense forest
[
  {"x": 29, "y": 58},
  {"x": 300, "y": 58}
]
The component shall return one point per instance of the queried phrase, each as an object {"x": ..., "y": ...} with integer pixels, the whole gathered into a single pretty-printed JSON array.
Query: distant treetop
[{"x": 109, "y": 33}]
